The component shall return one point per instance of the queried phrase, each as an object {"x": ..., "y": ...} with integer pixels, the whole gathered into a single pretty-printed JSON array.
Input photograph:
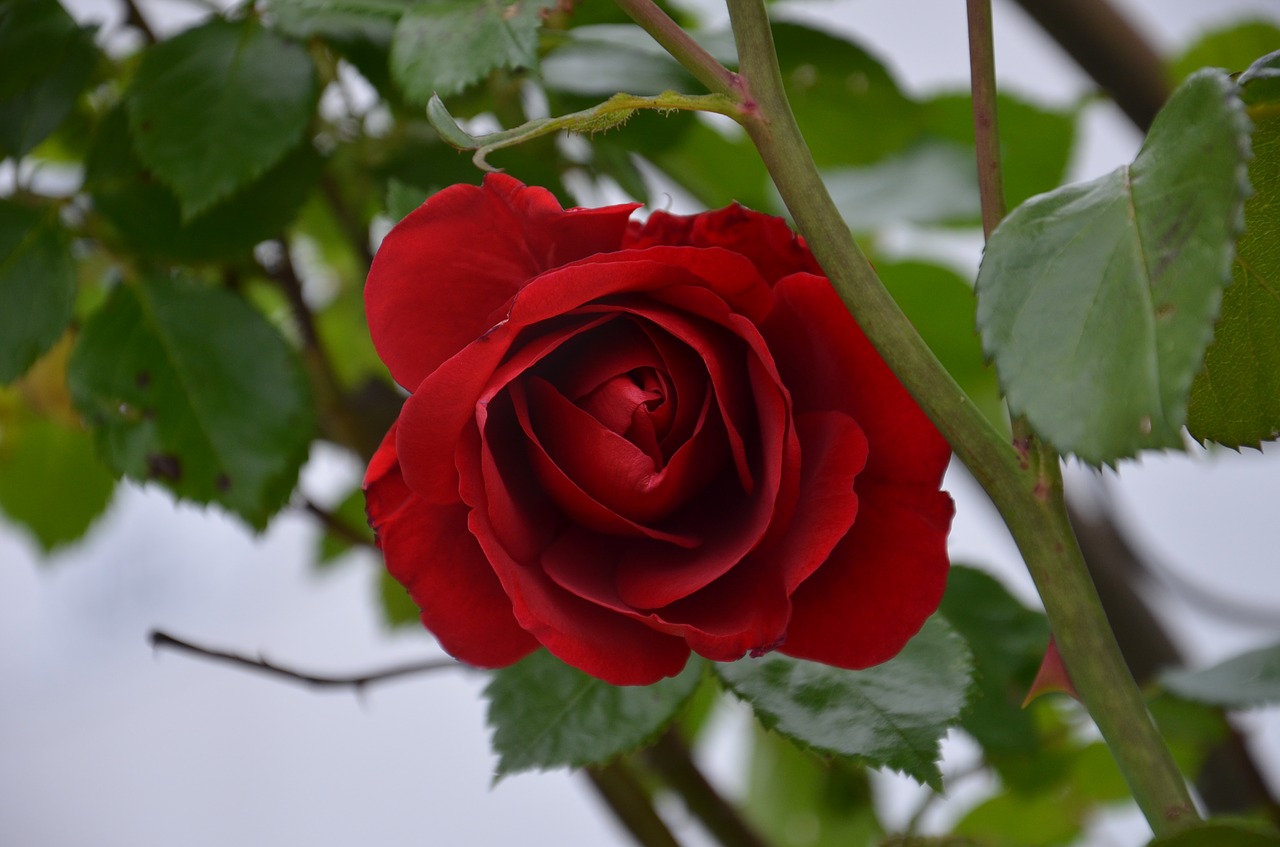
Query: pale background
[{"x": 104, "y": 743}]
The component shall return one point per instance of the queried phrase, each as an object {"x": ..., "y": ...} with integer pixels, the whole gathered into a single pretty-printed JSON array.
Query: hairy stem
[{"x": 1023, "y": 481}]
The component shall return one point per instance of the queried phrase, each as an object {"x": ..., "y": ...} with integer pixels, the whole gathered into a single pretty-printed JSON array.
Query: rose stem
[
  {"x": 670, "y": 757},
  {"x": 1023, "y": 481},
  {"x": 630, "y": 802}
]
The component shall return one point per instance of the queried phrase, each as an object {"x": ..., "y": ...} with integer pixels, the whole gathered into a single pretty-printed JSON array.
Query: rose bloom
[{"x": 628, "y": 441}]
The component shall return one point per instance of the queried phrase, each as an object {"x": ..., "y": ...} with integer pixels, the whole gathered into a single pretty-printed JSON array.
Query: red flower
[{"x": 628, "y": 441}]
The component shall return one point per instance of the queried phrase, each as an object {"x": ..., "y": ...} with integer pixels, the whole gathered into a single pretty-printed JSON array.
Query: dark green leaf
[
  {"x": 1190, "y": 730},
  {"x": 340, "y": 20},
  {"x": 848, "y": 106},
  {"x": 37, "y": 285},
  {"x": 442, "y": 46},
  {"x": 214, "y": 108},
  {"x": 1235, "y": 400},
  {"x": 1250, "y": 679},
  {"x": 190, "y": 387},
  {"x": 50, "y": 481},
  {"x": 147, "y": 215},
  {"x": 1232, "y": 49},
  {"x": 941, "y": 306},
  {"x": 1008, "y": 641},
  {"x": 1035, "y": 143},
  {"x": 1096, "y": 301},
  {"x": 892, "y": 715},
  {"x": 927, "y": 183},
  {"x": 1221, "y": 834},
  {"x": 59, "y": 58},
  {"x": 546, "y": 714}
]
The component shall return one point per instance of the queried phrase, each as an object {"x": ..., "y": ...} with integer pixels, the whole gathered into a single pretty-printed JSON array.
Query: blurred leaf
[
  {"x": 1007, "y": 640},
  {"x": 1250, "y": 679},
  {"x": 1232, "y": 49},
  {"x": 147, "y": 215},
  {"x": 1221, "y": 834},
  {"x": 398, "y": 608},
  {"x": 1096, "y": 777},
  {"x": 340, "y": 20},
  {"x": 350, "y": 513},
  {"x": 799, "y": 800},
  {"x": 928, "y": 183},
  {"x": 1190, "y": 730},
  {"x": 1035, "y": 143},
  {"x": 37, "y": 285},
  {"x": 1235, "y": 399},
  {"x": 546, "y": 714},
  {"x": 45, "y": 62},
  {"x": 848, "y": 106},
  {"x": 443, "y": 46},
  {"x": 212, "y": 109},
  {"x": 941, "y": 307},
  {"x": 715, "y": 168},
  {"x": 600, "y": 61},
  {"x": 190, "y": 387},
  {"x": 1018, "y": 820},
  {"x": 51, "y": 482},
  {"x": 891, "y": 715},
  {"x": 1096, "y": 300}
]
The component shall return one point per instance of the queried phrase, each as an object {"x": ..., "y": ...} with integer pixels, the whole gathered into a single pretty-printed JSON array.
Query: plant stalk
[{"x": 1023, "y": 480}]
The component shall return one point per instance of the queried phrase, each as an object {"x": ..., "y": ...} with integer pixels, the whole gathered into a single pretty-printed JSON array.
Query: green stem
[
  {"x": 715, "y": 76},
  {"x": 671, "y": 759},
  {"x": 986, "y": 126},
  {"x": 1023, "y": 481},
  {"x": 630, "y": 803}
]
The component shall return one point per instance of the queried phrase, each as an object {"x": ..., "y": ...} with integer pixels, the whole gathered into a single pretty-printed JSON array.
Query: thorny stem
[{"x": 1024, "y": 482}]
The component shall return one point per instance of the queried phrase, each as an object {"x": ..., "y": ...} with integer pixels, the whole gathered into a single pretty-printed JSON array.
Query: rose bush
[{"x": 627, "y": 441}]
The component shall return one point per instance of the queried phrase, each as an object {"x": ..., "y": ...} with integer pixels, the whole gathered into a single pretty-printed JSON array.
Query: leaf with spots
[
  {"x": 1096, "y": 301},
  {"x": 546, "y": 714},
  {"x": 190, "y": 387},
  {"x": 1235, "y": 400},
  {"x": 892, "y": 715}
]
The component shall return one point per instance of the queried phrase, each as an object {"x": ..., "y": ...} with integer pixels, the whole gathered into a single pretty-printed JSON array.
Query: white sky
[{"x": 102, "y": 743}]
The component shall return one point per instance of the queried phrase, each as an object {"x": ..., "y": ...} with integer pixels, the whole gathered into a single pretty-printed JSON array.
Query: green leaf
[
  {"x": 1233, "y": 48},
  {"x": 892, "y": 715},
  {"x": 41, "y": 46},
  {"x": 51, "y": 483},
  {"x": 599, "y": 61},
  {"x": 714, "y": 168},
  {"x": 1021, "y": 820},
  {"x": 546, "y": 714},
  {"x": 1096, "y": 300},
  {"x": 340, "y": 20},
  {"x": 1221, "y": 834},
  {"x": 848, "y": 106},
  {"x": 350, "y": 512},
  {"x": 1235, "y": 399},
  {"x": 928, "y": 183},
  {"x": 941, "y": 307},
  {"x": 1035, "y": 143},
  {"x": 147, "y": 215},
  {"x": 214, "y": 108},
  {"x": 37, "y": 285},
  {"x": 190, "y": 387},
  {"x": 398, "y": 608},
  {"x": 1008, "y": 641},
  {"x": 1250, "y": 679},
  {"x": 442, "y": 46}
]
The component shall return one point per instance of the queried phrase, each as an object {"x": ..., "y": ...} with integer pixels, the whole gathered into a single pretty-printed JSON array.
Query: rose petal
[
  {"x": 594, "y": 639},
  {"x": 828, "y": 364},
  {"x": 766, "y": 240},
  {"x": 445, "y": 274},
  {"x": 429, "y": 550},
  {"x": 879, "y": 585}
]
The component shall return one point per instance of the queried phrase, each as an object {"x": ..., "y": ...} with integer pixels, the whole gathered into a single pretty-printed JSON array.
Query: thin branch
[
  {"x": 358, "y": 682},
  {"x": 357, "y": 233},
  {"x": 1108, "y": 48},
  {"x": 671, "y": 758},
  {"x": 986, "y": 126},
  {"x": 336, "y": 525},
  {"x": 631, "y": 804},
  {"x": 715, "y": 76},
  {"x": 133, "y": 17}
]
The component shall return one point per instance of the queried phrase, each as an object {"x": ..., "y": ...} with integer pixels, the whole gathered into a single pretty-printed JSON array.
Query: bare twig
[
  {"x": 336, "y": 525},
  {"x": 133, "y": 17},
  {"x": 358, "y": 682}
]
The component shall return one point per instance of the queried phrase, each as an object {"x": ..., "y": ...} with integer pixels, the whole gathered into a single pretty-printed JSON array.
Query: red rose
[{"x": 628, "y": 441}]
